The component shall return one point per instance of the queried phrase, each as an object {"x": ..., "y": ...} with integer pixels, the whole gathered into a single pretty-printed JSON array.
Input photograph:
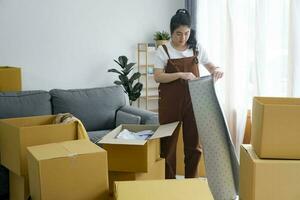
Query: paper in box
[
  {"x": 275, "y": 131},
  {"x": 74, "y": 170},
  {"x": 135, "y": 155},
  {"x": 18, "y": 133},
  {"x": 264, "y": 179}
]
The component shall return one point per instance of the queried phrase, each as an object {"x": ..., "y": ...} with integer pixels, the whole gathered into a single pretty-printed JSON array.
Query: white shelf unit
[{"x": 149, "y": 97}]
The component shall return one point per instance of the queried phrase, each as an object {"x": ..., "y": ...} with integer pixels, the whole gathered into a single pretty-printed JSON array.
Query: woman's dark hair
[{"x": 183, "y": 18}]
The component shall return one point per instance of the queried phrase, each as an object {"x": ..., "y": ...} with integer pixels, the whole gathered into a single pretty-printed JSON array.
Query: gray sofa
[{"x": 99, "y": 109}]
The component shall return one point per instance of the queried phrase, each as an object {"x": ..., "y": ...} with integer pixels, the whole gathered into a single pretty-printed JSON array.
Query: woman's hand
[
  {"x": 187, "y": 76},
  {"x": 217, "y": 73}
]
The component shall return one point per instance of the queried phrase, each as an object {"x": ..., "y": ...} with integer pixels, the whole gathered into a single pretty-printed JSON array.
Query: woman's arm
[
  {"x": 210, "y": 67},
  {"x": 161, "y": 77},
  {"x": 214, "y": 70}
]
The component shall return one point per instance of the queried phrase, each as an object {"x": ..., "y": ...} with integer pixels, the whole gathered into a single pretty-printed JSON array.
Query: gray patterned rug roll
[{"x": 221, "y": 163}]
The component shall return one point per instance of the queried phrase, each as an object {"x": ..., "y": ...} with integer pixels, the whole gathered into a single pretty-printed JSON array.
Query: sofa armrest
[
  {"x": 147, "y": 117},
  {"x": 127, "y": 118}
]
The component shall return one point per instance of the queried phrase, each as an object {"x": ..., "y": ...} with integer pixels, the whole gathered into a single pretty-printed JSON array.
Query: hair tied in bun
[{"x": 182, "y": 11}]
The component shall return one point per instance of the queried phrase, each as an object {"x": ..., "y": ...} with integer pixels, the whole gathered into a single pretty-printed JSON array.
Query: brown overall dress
[{"x": 175, "y": 105}]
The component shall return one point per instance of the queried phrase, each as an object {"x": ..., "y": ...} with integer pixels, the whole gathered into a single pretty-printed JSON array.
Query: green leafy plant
[
  {"x": 132, "y": 90},
  {"x": 161, "y": 35}
]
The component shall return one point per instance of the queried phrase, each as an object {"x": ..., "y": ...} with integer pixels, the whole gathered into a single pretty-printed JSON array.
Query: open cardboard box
[
  {"x": 18, "y": 133},
  {"x": 135, "y": 155},
  {"x": 275, "y": 131}
]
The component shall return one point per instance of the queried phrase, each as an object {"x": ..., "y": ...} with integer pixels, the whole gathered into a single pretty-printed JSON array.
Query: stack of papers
[{"x": 129, "y": 135}]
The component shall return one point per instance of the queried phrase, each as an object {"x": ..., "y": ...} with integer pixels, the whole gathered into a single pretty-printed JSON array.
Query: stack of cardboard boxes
[
  {"x": 69, "y": 170},
  {"x": 130, "y": 160},
  {"x": 10, "y": 81},
  {"x": 270, "y": 166},
  {"x": 48, "y": 162}
]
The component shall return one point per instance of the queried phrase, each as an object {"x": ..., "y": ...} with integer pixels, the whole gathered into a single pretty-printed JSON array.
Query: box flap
[
  {"x": 278, "y": 101},
  {"x": 9, "y": 68},
  {"x": 160, "y": 131},
  {"x": 110, "y": 138},
  {"x": 122, "y": 141},
  {"x": 163, "y": 189},
  {"x": 164, "y": 130},
  {"x": 30, "y": 121},
  {"x": 64, "y": 149},
  {"x": 250, "y": 151}
]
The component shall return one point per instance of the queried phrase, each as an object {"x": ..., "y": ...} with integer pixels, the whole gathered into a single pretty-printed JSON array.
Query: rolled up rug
[{"x": 221, "y": 163}]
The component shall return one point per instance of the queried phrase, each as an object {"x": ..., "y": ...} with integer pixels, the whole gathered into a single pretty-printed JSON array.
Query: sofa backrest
[
  {"x": 95, "y": 107},
  {"x": 24, "y": 104}
]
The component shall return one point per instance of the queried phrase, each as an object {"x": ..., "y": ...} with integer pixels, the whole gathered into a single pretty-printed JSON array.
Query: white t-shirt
[{"x": 161, "y": 58}]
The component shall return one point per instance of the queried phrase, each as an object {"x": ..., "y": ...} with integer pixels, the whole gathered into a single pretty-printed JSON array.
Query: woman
[{"x": 175, "y": 64}]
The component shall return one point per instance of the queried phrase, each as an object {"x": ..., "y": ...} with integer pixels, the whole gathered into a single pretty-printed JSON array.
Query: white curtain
[{"x": 254, "y": 42}]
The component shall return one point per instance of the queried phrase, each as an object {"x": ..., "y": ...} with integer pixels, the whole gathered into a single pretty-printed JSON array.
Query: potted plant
[
  {"x": 132, "y": 90},
  {"x": 161, "y": 37}
]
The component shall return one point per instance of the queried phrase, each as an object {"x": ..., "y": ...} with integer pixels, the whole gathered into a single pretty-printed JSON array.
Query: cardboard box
[
  {"x": 18, "y": 187},
  {"x": 262, "y": 179},
  {"x": 180, "y": 158},
  {"x": 10, "y": 79},
  {"x": 74, "y": 170},
  {"x": 275, "y": 127},
  {"x": 191, "y": 189},
  {"x": 18, "y": 133},
  {"x": 247, "y": 133},
  {"x": 156, "y": 172},
  {"x": 135, "y": 155}
]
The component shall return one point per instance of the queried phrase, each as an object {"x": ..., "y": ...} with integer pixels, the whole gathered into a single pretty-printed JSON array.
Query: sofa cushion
[
  {"x": 127, "y": 118},
  {"x": 24, "y": 104},
  {"x": 95, "y": 107}
]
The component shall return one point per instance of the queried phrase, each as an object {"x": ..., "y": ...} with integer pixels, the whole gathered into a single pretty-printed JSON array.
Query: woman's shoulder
[
  {"x": 161, "y": 51},
  {"x": 200, "y": 47}
]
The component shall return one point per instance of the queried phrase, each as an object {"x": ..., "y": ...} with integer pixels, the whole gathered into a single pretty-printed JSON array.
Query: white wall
[{"x": 72, "y": 43}]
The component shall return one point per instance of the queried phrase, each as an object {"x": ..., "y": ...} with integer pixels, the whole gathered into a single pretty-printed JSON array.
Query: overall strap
[
  {"x": 196, "y": 53},
  {"x": 166, "y": 50}
]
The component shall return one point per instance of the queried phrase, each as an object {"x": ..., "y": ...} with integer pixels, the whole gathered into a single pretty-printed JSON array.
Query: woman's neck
[{"x": 179, "y": 47}]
